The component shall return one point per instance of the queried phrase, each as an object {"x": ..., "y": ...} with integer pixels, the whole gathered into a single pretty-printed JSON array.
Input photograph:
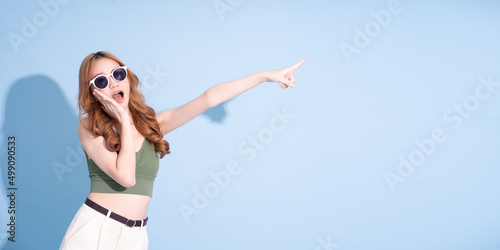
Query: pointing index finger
[{"x": 296, "y": 66}]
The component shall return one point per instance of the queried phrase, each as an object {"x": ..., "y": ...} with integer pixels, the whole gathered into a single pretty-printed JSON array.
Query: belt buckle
[{"x": 126, "y": 223}]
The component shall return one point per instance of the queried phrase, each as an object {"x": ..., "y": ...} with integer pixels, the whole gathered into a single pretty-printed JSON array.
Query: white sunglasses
[{"x": 102, "y": 82}]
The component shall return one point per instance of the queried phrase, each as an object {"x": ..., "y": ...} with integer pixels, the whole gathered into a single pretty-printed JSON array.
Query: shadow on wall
[
  {"x": 218, "y": 113},
  {"x": 51, "y": 174}
]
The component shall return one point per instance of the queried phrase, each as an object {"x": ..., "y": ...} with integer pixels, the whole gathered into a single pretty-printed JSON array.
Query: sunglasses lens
[
  {"x": 101, "y": 82},
  {"x": 120, "y": 74}
]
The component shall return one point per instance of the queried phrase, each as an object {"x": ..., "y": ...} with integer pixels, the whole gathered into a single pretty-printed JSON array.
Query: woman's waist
[{"x": 132, "y": 206}]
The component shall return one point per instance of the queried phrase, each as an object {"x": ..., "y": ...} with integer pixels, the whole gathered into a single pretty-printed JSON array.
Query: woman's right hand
[{"x": 111, "y": 107}]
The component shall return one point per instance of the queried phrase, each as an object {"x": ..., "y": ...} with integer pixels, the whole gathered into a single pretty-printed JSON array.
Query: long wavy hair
[{"x": 101, "y": 124}]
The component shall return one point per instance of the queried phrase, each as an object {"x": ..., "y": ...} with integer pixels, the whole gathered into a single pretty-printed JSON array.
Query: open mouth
[{"x": 118, "y": 96}]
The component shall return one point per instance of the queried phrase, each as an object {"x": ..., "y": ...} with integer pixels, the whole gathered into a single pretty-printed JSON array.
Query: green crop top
[{"x": 147, "y": 163}]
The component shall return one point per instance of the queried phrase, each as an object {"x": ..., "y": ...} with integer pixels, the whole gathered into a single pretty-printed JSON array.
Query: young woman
[{"x": 122, "y": 139}]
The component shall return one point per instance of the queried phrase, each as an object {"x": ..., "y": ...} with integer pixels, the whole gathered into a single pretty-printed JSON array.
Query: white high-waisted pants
[{"x": 93, "y": 230}]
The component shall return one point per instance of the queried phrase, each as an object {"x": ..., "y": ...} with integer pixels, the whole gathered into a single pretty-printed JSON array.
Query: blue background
[{"x": 318, "y": 182}]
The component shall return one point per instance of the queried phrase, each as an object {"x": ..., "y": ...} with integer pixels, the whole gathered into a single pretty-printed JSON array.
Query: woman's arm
[
  {"x": 224, "y": 91},
  {"x": 120, "y": 167},
  {"x": 215, "y": 95}
]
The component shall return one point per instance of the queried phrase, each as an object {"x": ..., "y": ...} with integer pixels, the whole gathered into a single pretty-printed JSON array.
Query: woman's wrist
[
  {"x": 125, "y": 118},
  {"x": 262, "y": 76}
]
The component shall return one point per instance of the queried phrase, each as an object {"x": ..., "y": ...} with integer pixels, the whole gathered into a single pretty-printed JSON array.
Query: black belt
[{"x": 115, "y": 216}]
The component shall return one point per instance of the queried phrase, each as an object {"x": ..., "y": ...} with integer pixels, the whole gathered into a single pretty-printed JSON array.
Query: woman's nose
[{"x": 112, "y": 82}]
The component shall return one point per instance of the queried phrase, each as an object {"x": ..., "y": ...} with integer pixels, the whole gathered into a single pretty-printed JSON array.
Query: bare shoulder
[
  {"x": 163, "y": 118},
  {"x": 91, "y": 143},
  {"x": 84, "y": 130}
]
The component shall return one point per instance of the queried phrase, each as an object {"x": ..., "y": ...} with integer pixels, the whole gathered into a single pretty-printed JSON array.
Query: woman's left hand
[{"x": 284, "y": 76}]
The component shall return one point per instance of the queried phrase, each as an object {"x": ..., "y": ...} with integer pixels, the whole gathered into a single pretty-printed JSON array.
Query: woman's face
[{"x": 118, "y": 91}]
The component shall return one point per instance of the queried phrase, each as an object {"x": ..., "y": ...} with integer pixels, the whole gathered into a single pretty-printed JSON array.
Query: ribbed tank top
[{"x": 147, "y": 163}]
